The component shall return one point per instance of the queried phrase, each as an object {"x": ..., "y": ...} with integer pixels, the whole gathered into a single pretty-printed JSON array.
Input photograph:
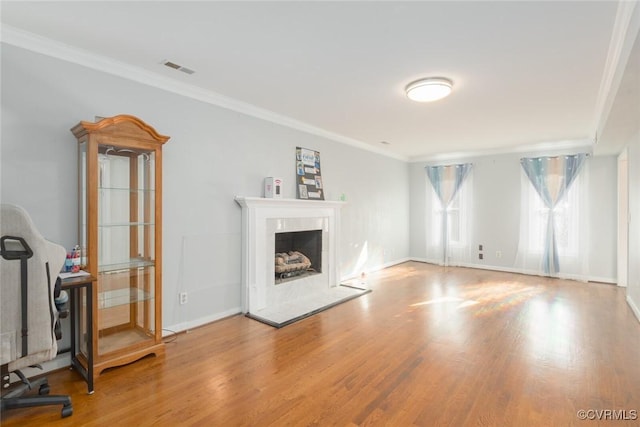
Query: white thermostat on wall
[{"x": 273, "y": 188}]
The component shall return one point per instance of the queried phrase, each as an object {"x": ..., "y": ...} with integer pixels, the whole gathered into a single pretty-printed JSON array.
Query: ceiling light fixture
[{"x": 430, "y": 89}]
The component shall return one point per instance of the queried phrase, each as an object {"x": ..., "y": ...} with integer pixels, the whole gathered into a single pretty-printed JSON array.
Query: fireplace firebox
[{"x": 307, "y": 243}]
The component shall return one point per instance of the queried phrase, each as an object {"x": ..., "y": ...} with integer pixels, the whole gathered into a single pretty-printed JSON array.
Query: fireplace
[{"x": 311, "y": 226}]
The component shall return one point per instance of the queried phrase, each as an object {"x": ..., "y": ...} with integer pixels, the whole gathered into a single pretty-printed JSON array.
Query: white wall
[
  {"x": 496, "y": 206},
  {"x": 603, "y": 218},
  {"x": 213, "y": 155},
  {"x": 633, "y": 278},
  {"x": 623, "y": 219}
]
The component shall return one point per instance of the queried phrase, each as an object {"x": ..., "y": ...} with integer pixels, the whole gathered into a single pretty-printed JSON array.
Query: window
[
  {"x": 456, "y": 220},
  {"x": 554, "y": 189},
  {"x": 565, "y": 218},
  {"x": 451, "y": 187}
]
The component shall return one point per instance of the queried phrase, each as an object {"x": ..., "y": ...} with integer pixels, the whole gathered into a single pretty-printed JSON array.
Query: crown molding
[
  {"x": 625, "y": 29},
  {"x": 568, "y": 146},
  {"x": 45, "y": 46}
]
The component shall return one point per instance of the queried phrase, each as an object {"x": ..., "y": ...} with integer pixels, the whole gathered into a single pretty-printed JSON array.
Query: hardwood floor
[{"x": 428, "y": 347}]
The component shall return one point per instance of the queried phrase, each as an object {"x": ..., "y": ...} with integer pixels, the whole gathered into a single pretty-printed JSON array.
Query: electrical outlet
[
  {"x": 183, "y": 298},
  {"x": 498, "y": 254},
  {"x": 480, "y": 256}
]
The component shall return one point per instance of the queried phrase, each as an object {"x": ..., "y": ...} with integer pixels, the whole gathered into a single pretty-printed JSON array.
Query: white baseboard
[
  {"x": 520, "y": 271},
  {"x": 495, "y": 268},
  {"x": 471, "y": 265},
  {"x": 426, "y": 261},
  {"x": 527, "y": 272},
  {"x": 607, "y": 280},
  {"x": 185, "y": 326},
  {"x": 375, "y": 268},
  {"x": 634, "y": 307}
]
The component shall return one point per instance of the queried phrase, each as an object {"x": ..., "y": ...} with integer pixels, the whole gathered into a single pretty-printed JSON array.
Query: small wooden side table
[{"x": 75, "y": 285}]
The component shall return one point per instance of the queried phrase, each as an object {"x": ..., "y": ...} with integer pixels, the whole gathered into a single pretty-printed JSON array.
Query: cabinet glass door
[
  {"x": 126, "y": 259},
  {"x": 83, "y": 326}
]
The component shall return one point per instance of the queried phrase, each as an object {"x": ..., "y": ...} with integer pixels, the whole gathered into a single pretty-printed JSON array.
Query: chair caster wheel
[
  {"x": 67, "y": 411},
  {"x": 44, "y": 389}
]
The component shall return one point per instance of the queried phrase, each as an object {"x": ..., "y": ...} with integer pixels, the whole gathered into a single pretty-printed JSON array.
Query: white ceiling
[{"x": 524, "y": 73}]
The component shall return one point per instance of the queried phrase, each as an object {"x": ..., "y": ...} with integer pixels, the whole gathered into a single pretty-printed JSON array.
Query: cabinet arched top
[{"x": 122, "y": 126}]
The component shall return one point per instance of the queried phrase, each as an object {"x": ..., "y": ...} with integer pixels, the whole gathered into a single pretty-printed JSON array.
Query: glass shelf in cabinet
[
  {"x": 135, "y": 263},
  {"x": 126, "y": 224},
  {"x": 124, "y": 296},
  {"x": 127, "y": 189}
]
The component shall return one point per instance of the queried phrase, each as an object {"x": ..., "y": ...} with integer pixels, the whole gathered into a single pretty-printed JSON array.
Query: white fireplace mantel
[
  {"x": 261, "y": 219},
  {"x": 263, "y": 202}
]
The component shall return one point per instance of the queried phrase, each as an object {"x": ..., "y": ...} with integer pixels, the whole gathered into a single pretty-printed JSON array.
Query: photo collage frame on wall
[{"x": 308, "y": 175}]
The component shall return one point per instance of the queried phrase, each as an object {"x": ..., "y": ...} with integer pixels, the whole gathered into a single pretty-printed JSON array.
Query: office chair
[{"x": 29, "y": 265}]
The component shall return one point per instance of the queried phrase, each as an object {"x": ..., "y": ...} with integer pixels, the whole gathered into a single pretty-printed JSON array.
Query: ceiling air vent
[{"x": 177, "y": 67}]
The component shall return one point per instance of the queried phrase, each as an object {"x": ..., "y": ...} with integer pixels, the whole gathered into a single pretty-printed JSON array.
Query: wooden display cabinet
[{"x": 120, "y": 221}]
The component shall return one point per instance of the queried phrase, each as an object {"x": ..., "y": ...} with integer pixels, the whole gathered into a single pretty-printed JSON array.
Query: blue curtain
[
  {"x": 551, "y": 177},
  {"x": 454, "y": 176}
]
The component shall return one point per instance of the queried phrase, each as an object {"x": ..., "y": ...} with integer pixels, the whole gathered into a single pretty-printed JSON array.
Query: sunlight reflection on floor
[{"x": 488, "y": 297}]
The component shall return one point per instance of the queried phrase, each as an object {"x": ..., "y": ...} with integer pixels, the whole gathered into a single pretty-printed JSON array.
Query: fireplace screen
[{"x": 298, "y": 253}]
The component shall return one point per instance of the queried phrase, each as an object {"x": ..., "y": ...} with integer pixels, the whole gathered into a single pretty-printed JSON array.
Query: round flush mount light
[{"x": 430, "y": 89}]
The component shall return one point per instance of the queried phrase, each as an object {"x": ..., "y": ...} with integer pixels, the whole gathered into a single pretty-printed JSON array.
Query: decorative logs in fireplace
[{"x": 291, "y": 264}]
